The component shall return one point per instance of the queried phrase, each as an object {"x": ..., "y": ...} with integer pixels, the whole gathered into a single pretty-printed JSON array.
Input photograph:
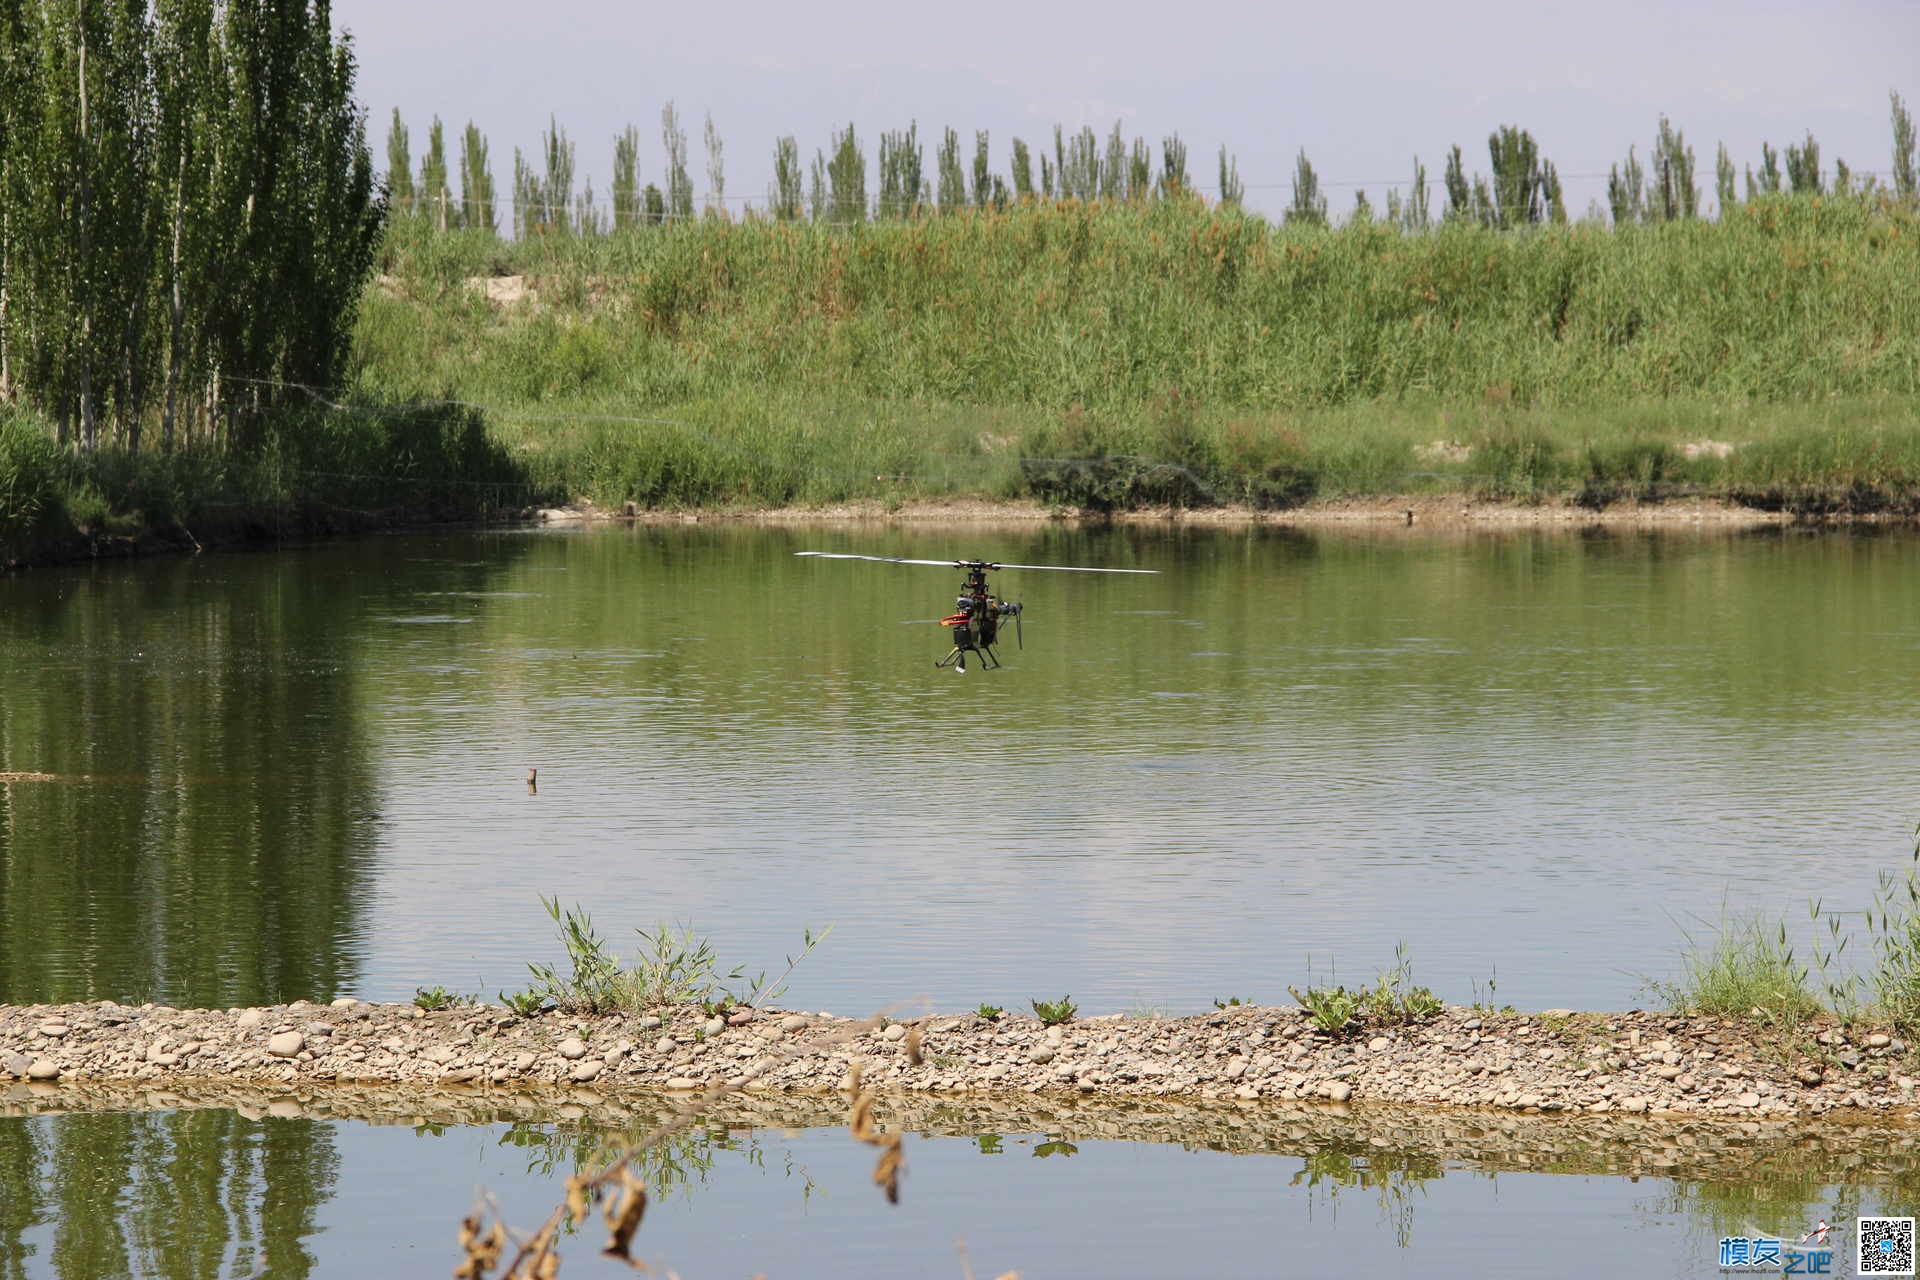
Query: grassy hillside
[{"x": 1171, "y": 352}]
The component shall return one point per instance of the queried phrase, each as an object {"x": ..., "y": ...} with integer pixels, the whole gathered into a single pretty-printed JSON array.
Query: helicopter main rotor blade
[
  {"x": 963, "y": 564},
  {"x": 1068, "y": 568},
  {"x": 844, "y": 555}
]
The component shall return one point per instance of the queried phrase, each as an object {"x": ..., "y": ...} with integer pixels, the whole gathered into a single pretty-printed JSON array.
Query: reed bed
[{"x": 1125, "y": 354}]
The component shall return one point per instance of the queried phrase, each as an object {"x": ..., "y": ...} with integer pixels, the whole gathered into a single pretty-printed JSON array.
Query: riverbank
[
  {"x": 1424, "y": 511},
  {"x": 1559, "y": 1061}
]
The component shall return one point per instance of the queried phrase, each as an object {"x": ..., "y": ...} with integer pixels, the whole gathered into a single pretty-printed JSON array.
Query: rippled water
[{"x": 1531, "y": 756}]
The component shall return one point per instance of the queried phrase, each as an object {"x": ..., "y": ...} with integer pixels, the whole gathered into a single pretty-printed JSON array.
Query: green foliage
[
  {"x": 525, "y": 1003},
  {"x": 1231, "y": 1002},
  {"x": 679, "y": 193},
  {"x": 952, "y": 188},
  {"x": 674, "y": 966},
  {"x": 435, "y": 998},
  {"x": 1626, "y": 192},
  {"x": 1904, "y": 183},
  {"x": 187, "y": 214},
  {"x": 1232, "y": 191},
  {"x": 1331, "y": 1008},
  {"x": 1674, "y": 193},
  {"x": 399, "y": 169},
  {"x": 1054, "y": 1012},
  {"x": 847, "y": 180},
  {"x": 1309, "y": 207},
  {"x": 1519, "y": 182},
  {"x": 29, "y": 480},
  {"x": 1022, "y": 171},
  {"x": 900, "y": 173},
  {"x": 990, "y": 1012},
  {"x": 627, "y": 207},
  {"x": 476, "y": 183},
  {"x": 1803, "y": 168},
  {"x": 1894, "y": 923},
  {"x": 1748, "y": 970},
  {"x": 786, "y": 201},
  {"x": 1393, "y": 999},
  {"x": 435, "y": 196}
]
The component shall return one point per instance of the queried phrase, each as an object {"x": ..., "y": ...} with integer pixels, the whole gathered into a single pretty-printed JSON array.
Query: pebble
[
  {"x": 1339, "y": 1091},
  {"x": 44, "y": 1069},
  {"x": 344, "y": 1002},
  {"x": 714, "y": 1026},
  {"x": 682, "y": 1082},
  {"x": 286, "y": 1044},
  {"x": 584, "y": 1071},
  {"x": 895, "y": 1033},
  {"x": 739, "y": 1019},
  {"x": 665, "y": 1044},
  {"x": 1378, "y": 1043},
  {"x": 573, "y": 1048},
  {"x": 1879, "y": 1040},
  {"x": 250, "y": 1020},
  {"x": 793, "y": 1022},
  {"x": 650, "y": 1023}
]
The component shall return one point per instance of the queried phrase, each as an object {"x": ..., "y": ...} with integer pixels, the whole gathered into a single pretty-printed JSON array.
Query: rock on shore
[{"x": 1632, "y": 1063}]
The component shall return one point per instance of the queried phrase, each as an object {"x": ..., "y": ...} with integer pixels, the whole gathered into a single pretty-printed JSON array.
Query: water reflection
[
  {"x": 182, "y": 1194},
  {"x": 369, "y": 1180},
  {"x": 209, "y": 831}
]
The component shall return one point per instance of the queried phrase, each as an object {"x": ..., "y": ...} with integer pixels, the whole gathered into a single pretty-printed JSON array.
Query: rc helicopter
[{"x": 975, "y": 621}]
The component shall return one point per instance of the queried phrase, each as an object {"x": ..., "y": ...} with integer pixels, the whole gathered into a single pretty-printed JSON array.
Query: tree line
[
  {"x": 1521, "y": 187},
  {"x": 188, "y": 212}
]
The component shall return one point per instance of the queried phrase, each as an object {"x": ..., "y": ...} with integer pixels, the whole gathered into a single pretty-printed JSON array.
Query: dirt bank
[{"x": 1559, "y": 1061}]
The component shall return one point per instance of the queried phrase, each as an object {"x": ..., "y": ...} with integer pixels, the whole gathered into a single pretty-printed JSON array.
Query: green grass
[
  {"x": 1099, "y": 357},
  {"x": 1111, "y": 356},
  {"x": 1747, "y": 969}
]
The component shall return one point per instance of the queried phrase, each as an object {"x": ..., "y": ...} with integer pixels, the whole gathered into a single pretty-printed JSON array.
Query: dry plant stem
[{"x": 537, "y": 1248}]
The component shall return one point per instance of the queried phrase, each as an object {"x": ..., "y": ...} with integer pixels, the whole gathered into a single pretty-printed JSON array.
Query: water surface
[
  {"x": 1038, "y": 1187},
  {"x": 1532, "y": 756}
]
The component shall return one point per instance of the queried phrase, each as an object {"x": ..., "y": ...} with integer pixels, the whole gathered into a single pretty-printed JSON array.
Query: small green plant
[
  {"x": 435, "y": 998},
  {"x": 1053, "y": 1013},
  {"x": 1894, "y": 922},
  {"x": 990, "y": 1012},
  {"x": 1749, "y": 971},
  {"x": 1231, "y": 1002},
  {"x": 594, "y": 986},
  {"x": 1483, "y": 997},
  {"x": 1331, "y": 1008},
  {"x": 525, "y": 1003},
  {"x": 1395, "y": 998},
  {"x": 760, "y": 991},
  {"x": 1392, "y": 998},
  {"x": 675, "y": 966}
]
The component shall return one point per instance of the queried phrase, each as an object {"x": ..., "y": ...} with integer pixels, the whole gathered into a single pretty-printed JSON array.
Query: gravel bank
[{"x": 1558, "y": 1061}]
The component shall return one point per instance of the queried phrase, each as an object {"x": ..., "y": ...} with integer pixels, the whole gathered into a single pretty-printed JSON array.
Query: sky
[{"x": 1362, "y": 87}]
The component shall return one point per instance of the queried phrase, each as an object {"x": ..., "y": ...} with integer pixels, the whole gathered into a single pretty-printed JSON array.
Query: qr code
[{"x": 1886, "y": 1246}]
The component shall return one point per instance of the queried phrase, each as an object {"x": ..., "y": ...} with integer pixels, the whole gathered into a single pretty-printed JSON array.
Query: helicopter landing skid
[{"x": 989, "y": 660}]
